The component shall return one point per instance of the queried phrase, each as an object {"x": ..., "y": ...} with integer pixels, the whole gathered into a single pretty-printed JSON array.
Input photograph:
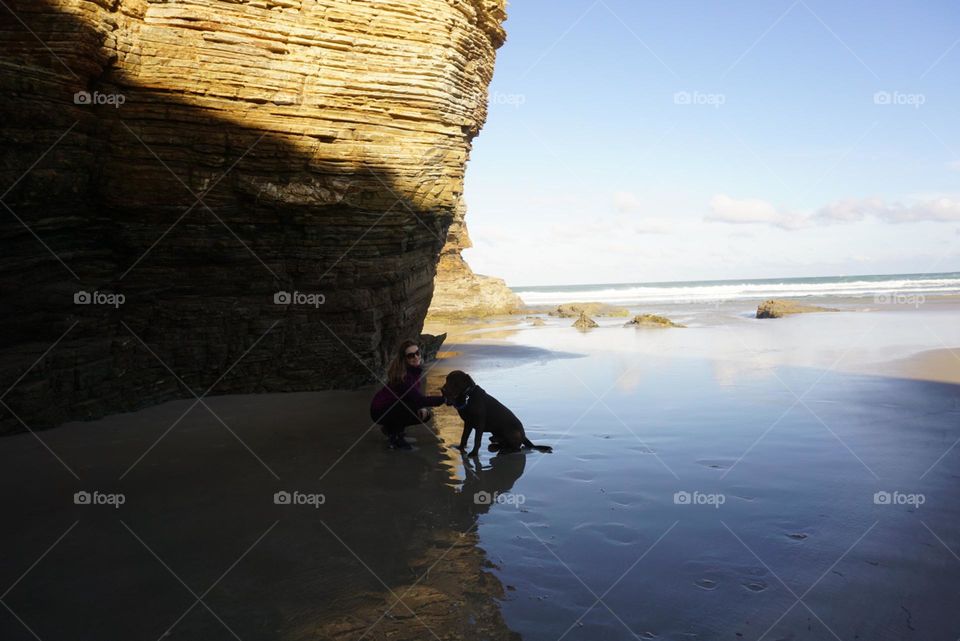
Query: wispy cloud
[
  {"x": 937, "y": 210},
  {"x": 725, "y": 209},
  {"x": 626, "y": 201}
]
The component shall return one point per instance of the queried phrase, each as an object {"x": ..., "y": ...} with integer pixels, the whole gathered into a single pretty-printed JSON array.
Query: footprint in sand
[
  {"x": 755, "y": 586},
  {"x": 706, "y": 584},
  {"x": 716, "y": 464}
]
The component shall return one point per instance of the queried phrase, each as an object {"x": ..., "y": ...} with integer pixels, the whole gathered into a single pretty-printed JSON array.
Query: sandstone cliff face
[
  {"x": 460, "y": 292},
  {"x": 187, "y": 162}
]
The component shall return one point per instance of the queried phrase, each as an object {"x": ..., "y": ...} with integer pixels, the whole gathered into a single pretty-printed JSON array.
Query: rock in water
[
  {"x": 584, "y": 322},
  {"x": 572, "y": 310},
  {"x": 778, "y": 308},
  {"x": 652, "y": 320},
  {"x": 267, "y": 185}
]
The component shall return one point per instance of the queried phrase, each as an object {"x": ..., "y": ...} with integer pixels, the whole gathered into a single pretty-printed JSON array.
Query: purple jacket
[{"x": 409, "y": 391}]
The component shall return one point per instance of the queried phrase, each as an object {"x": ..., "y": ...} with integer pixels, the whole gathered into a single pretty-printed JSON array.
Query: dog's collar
[{"x": 466, "y": 398}]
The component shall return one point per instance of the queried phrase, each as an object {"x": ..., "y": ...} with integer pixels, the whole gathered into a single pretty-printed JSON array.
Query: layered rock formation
[
  {"x": 774, "y": 308},
  {"x": 458, "y": 291},
  {"x": 224, "y": 195},
  {"x": 651, "y": 320}
]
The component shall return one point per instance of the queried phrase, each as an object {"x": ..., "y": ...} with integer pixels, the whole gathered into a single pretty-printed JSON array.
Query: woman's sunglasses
[{"x": 413, "y": 354}]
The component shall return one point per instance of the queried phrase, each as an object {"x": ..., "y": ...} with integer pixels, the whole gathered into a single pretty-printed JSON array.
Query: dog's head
[{"x": 455, "y": 387}]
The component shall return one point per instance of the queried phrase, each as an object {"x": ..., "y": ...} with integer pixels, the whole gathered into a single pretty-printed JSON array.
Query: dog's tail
[{"x": 539, "y": 448}]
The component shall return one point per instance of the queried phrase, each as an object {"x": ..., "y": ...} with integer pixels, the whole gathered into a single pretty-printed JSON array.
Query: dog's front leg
[
  {"x": 478, "y": 428},
  {"x": 464, "y": 437}
]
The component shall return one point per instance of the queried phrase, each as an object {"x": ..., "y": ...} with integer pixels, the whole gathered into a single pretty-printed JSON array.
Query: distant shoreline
[{"x": 891, "y": 286}]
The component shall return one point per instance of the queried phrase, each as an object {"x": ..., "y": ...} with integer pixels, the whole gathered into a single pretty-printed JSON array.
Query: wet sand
[
  {"x": 720, "y": 481},
  {"x": 199, "y": 521},
  {"x": 742, "y": 479}
]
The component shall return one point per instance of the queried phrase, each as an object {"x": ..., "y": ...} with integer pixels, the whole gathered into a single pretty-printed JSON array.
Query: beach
[
  {"x": 736, "y": 478},
  {"x": 791, "y": 478},
  {"x": 370, "y": 544}
]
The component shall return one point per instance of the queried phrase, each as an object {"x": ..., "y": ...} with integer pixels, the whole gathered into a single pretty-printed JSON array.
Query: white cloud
[
  {"x": 653, "y": 226},
  {"x": 725, "y": 209},
  {"x": 609, "y": 228},
  {"x": 936, "y": 210},
  {"x": 626, "y": 201},
  {"x": 850, "y": 210}
]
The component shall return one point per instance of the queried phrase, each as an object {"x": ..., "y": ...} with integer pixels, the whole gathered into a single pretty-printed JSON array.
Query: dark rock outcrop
[
  {"x": 209, "y": 196},
  {"x": 778, "y": 308},
  {"x": 651, "y": 320},
  {"x": 584, "y": 322},
  {"x": 573, "y": 310}
]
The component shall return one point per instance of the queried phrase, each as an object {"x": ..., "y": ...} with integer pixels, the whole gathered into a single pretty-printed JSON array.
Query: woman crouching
[{"x": 401, "y": 401}]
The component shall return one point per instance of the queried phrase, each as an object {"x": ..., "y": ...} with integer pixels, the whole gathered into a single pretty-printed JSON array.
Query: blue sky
[{"x": 647, "y": 141}]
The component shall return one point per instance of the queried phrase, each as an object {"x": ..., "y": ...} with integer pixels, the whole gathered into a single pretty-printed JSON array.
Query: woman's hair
[{"x": 397, "y": 369}]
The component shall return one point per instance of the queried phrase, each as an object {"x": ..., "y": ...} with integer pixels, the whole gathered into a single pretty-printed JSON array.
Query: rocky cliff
[
  {"x": 214, "y": 196},
  {"x": 460, "y": 292}
]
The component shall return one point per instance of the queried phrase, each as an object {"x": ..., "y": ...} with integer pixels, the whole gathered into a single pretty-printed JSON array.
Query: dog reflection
[{"x": 484, "y": 487}]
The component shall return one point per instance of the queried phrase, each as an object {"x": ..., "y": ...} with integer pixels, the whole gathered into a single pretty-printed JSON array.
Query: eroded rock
[
  {"x": 267, "y": 184},
  {"x": 775, "y": 308},
  {"x": 573, "y": 310},
  {"x": 651, "y": 320},
  {"x": 584, "y": 322}
]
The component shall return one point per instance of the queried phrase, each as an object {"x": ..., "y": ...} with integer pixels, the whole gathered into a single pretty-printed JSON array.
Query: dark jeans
[{"x": 396, "y": 419}]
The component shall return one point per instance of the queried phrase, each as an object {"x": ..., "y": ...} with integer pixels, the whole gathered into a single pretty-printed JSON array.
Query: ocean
[{"x": 875, "y": 287}]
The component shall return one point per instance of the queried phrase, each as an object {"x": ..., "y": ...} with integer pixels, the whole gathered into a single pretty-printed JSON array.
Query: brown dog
[{"x": 483, "y": 413}]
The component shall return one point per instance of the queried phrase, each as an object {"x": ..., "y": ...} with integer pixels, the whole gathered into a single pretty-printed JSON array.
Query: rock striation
[{"x": 216, "y": 196}]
